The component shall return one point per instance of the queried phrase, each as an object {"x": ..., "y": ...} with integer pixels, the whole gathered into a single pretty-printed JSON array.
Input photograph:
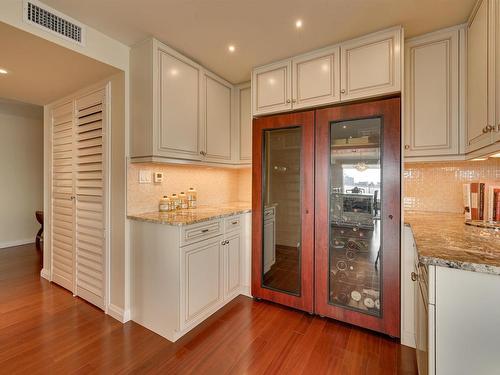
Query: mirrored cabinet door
[
  {"x": 283, "y": 209},
  {"x": 357, "y": 214}
]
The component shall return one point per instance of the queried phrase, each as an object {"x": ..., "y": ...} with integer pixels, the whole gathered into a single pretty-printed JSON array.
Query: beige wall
[
  {"x": 214, "y": 185},
  {"x": 438, "y": 186},
  {"x": 21, "y": 171}
]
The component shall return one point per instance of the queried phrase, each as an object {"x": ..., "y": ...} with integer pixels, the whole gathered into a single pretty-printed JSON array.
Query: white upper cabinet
[
  {"x": 179, "y": 110},
  {"x": 371, "y": 65},
  {"x": 361, "y": 68},
  {"x": 272, "y": 88},
  {"x": 218, "y": 112},
  {"x": 244, "y": 122},
  {"x": 316, "y": 78},
  {"x": 179, "y": 107},
  {"x": 432, "y": 100},
  {"x": 478, "y": 108}
]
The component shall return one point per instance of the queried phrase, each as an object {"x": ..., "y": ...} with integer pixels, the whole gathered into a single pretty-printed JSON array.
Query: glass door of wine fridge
[
  {"x": 283, "y": 209},
  {"x": 357, "y": 214}
]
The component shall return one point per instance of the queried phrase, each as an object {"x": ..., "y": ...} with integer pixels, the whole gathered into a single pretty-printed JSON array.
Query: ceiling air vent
[{"x": 53, "y": 21}]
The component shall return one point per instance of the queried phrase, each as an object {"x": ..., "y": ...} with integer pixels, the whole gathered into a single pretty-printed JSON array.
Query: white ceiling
[
  {"x": 40, "y": 71},
  {"x": 262, "y": 30}
]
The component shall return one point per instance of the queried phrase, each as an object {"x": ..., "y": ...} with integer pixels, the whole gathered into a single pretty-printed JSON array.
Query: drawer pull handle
[
  {"x": 414, "y": 276},
  {"x": 234, "y": 222},
  {"x": 204, "y": 230}
]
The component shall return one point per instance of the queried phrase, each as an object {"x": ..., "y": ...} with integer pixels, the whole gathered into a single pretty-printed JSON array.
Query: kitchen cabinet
[
  {"x": 316, "y": 78},
  {"x": 272, "y": 88},
  {"x": 218, "y": 113},
  {"x": 457, "y": 324},
  {"x": 179, "y": 110},
  {"x": 243, "y": 131},
  {"x": 183, "y": 274},
  {"x": 433, "y": 100},
  {"x": 361, "y": 68},
  {"x": 201, "y": 279},
  {"x": 482, "y": 78},
  {"x": 371, "y": 65}
]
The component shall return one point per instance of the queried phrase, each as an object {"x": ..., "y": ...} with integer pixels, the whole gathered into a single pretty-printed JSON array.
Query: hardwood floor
[{"x": 43, "y": 329}]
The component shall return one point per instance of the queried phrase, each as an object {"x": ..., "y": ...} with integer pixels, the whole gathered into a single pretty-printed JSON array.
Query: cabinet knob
[
  {"x": 407, "y": 147},
  {"x": 489, "y": 128},
  {"x": 485, "y": 130},
  {"x": 342, "y": 91},
  {"x": 288, "y": 100},
  {"x": 414, "y": 276},
  {"x": 203, "y": 153}
]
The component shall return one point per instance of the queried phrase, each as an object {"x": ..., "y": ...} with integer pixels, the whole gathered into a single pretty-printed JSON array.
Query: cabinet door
[
  {"x": 233, "y": 262},
  {"x": 201, "y": 280},
  {"x": 269, "y": 244},
  {"x": 432, "y": 99},
  {"x": 271, "y": 87},
  {"x": 477, "y": 79},
  {"x": 371, "y": 65},
  {"x": 421, "y": 331},
  {"x": 62, "y": 229},
  {"x": 218, "y": 104},
  {"x": 316, "y": 78},
  {"x": 245, "y": 123},
  {"x": 178, "y": 134}
]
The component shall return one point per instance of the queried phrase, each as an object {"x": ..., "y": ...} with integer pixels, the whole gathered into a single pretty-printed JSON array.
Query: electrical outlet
[
  {"x": 158, "y": 177},
  {"x": 145, "y": 176}
]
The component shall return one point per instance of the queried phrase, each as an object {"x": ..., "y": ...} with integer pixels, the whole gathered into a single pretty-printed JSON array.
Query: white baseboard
[
  {"x": 408, "y": 339},
  {"x": 118, "y": 313},
  {"x": 45, "y": 274},
  {"x": 246, "y": 291},
  {"x": 4, "y": 244}
]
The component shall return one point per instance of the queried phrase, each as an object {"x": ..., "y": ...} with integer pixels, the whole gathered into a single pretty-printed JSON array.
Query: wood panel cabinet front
[
  {"x": 179, "y": 107},
  {"x": 371, "y": 65},
  {"x": 272, "y": 85},
  {"x": 432, "y": 94},
  {"x": 233, "y": 262},
  {"x": 316, "y": 78},
  {"x": 218, "y": 112}
]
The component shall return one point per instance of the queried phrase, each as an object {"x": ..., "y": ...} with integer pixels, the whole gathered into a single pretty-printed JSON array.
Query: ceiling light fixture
[
  {"x": 495, "y": 155},
  {"x": 298, "y": 24},
  {"x": 3, "y": 71},
  {"x": 231, "y": 48}
]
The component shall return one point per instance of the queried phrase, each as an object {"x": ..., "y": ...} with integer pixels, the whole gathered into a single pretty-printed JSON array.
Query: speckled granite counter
[
  {"x": 192, "y": 216},
  {"x": 444, "y": 240}
]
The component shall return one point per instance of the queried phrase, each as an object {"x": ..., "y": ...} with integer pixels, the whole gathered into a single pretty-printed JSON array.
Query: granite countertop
[
  {"x": 444, "y": 240},
  {"x": 192, "y": 216}
]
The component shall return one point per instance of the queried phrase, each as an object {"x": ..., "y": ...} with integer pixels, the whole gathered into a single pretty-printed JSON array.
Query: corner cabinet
[
  {"x": 483, "y": 78},
  {"x": 180, "y": 111},
  {"x": 434, "y": 119},
  {"x": 361, "y": 68}
]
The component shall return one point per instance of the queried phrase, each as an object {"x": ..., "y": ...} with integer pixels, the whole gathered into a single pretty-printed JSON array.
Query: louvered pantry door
[
  {"x": 90, "y": 198},
  {"x": 62, "y": 227}
]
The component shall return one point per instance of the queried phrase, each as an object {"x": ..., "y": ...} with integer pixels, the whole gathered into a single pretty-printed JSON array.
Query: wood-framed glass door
[
  {"x": 283, "y": 209},
  {"x": 357, "y": 214}
]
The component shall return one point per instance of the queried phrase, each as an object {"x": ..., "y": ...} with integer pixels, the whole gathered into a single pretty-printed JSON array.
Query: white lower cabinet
[
  {"x": 201, "y": 279},
  {"x": 182, "y": 275},
  {"x": 457, "y": 321}
]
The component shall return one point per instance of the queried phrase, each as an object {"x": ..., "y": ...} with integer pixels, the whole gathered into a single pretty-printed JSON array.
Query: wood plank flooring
[{"x": 44, "y": 330}]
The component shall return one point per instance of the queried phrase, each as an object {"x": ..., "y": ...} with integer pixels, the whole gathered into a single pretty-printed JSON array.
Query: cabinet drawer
[
  {"x": 199, "y": 232},
  {"x": 232, "y": 223},
  {"x": 269, "y": 213}
]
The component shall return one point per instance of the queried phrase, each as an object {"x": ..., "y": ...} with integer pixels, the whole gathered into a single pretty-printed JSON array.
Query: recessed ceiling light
[
  {"x": 3, "y": 71},
  {"x": 231, "y": 48},
  {"x": 298, "y": 24}
]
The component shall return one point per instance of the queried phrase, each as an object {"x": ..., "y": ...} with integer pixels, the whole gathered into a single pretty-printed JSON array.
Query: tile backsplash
[
  {"x": 214, "y": 185},
  {"x": 438, "y": 186}
]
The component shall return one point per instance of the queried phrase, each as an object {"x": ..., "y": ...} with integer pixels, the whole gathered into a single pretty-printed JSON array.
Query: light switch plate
[
  {"x": 158, "y": 177},
  {"x": 145, "y": 176}
]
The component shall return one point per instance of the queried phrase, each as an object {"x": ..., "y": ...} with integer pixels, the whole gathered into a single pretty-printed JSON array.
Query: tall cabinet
[
  {"x": 79, "y": 195},
  {"x": 326, "y": 212}
]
